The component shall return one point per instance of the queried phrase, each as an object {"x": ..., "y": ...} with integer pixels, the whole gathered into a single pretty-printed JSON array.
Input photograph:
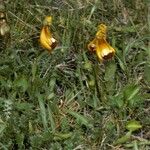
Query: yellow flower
[
  {"x": 46, "y": 39},
  {"x": 102, "y": 48}
]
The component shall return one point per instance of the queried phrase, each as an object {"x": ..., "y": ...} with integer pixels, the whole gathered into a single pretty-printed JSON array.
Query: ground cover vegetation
[{"x": 68, "y": 99}]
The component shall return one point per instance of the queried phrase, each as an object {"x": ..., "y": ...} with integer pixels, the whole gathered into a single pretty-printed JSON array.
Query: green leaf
[
  {"x": 110, "y": 71},
  {"x": 131, "y": 91},
  {"x": 123, "y": 139},
  {"x": 42, "y": 110},
  {"x": 2, "y": 127},
  {"x": 21, "y": 83},
  {"x": 132, "y": 95},
  {"x": 62, "y": 136},
  {"x": 50, "y": 115},
  {"x": 80, "y": 119},
  {"x": 133, "y": 125},
  {"x": 20, "y": 140},
  {"x": 88, "y": 66},
  {"x": 147, "y": 72},
  {"x": 34, "y": 70},
  {"x": 117, "y": 101},
  {"x": 122, "y": 64},
  {"x": 109, "y": 77},
  {"x": 52, "y": 83},
  {"x": 24, "y": 106}
]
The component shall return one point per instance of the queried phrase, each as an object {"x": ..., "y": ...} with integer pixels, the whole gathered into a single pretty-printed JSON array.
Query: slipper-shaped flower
[
  {"x": 46, "y": 39},
  {"x": 99, "y": 44}
]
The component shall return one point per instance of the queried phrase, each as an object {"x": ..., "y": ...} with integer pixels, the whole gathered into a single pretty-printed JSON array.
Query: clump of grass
[{"x": 67, "y": 99}]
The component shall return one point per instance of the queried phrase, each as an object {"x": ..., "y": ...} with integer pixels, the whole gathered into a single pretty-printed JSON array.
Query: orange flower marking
[
  {"x": 46, "y": 39},
  {"x": 99, "y": 44}
]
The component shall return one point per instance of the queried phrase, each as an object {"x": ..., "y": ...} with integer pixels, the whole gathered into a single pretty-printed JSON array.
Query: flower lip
[
  {"x": 104, "y": 50},
  {"x": 54, "y": 43},
  {"x": 99, "y": 44},
  {"x": 108, "y": 56},
  {"x": 46, "y": 39}
]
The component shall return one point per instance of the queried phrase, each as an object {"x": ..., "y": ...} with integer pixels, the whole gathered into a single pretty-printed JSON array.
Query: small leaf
[
  {"x": 147, "y": 73},
  {"x": 131, "y": 91},
  {"x": 24, "y": 106},
  {"x": 62, "y": 136},
  {"x": 133, "y": 125},
  {"x": 117, "y": 101},
  {"x": 123, "y": 139},
  {"x": 21, "y": 83},
  {"x": 52, "y": 83},
  {"x": 80, "y": 119},
  {"x": 88, "y": 66}
]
